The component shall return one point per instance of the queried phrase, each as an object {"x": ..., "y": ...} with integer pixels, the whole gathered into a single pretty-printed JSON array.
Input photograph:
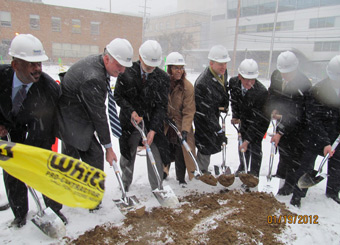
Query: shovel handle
[
  {"x": 119, "y": 178},
  {"x": 324, "y": 160},
  {"x": 36, "y": 200}
]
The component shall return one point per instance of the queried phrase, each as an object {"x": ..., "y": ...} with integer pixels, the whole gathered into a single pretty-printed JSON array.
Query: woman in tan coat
[{"x": 181, "y": 109}]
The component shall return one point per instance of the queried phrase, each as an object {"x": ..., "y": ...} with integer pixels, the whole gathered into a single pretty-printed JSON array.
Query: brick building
[{"x": 66, "y": 33}]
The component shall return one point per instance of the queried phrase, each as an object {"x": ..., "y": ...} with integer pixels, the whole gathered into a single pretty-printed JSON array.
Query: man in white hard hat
[
  {"x": 287, "y": 105},
  {"x": 211, "y": 93},
  {"x": 248, "y": 98},
  {"x": 142, "y": 94},
  {"x": 82, "y": 119},
  {"x": 323, "y": 117},
  {"x": 28, "y": 99}
]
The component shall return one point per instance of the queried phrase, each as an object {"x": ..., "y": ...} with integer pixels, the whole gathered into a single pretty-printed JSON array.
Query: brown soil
[
  {"x": 226, "y": 180},
  {"x": 249, "y": 179},
  {"x": 208, "y": 179},
  {"x": 232, "y": 217}
]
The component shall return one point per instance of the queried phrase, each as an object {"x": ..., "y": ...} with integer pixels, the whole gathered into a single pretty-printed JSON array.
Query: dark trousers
[
  {"x": 253, "y": 156},
  {"x": 333, "y": 171},
  {"x": 176, "y": 153},
  {"x": 94, "y": 156},
  {"x": 17, "y": 197}
]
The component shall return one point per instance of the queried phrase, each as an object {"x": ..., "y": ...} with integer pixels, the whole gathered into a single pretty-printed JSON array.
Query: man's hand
[
  {"x": 110, "y": 155},
  {"x": 235, "y": 121},
  {"x": 244, "y": 146},
  {"x": 276, "y": 139},
  {"x": 136, "y": 117},
  {"x": 222, "y": 138},
  {"x": 276, "y": 115},
  {"x": 328, "y": 149},
  {"x": 3, "y": 131},
  {"x": 150, "y": 137}
]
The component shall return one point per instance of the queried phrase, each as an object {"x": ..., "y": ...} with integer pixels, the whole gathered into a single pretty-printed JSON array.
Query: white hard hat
[
  {"x": 121, "y": 50},
  {"x": 248, "y": 69},
  {"x": 287, "y": 62},
  {"x": 151, "y": 53},
  {"x": 333, "y": 68},
  {"x": 175, "y": 58},
  {"x": 27, "y": 47},
  {"x": 219, "y": 54}
]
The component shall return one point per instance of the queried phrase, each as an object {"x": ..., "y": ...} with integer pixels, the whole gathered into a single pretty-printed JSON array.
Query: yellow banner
[{"x": 62, "y": 178}]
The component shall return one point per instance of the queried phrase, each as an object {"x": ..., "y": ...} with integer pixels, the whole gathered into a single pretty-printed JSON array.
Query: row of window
[
  {"x": 328, "y": 46},
  {"x": 333, "y": 21},
  {"x": 267, "y": 27},
  {"x": 34, "y": 22}
]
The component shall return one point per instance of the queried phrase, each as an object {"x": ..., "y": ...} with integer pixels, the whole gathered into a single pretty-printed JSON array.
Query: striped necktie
[
  {"x": 113, "y": 115},
  {"x": 19, "y": 98}
]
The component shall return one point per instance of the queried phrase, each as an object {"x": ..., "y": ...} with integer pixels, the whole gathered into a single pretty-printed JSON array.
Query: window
[
  {"x": 322, "y": 22},
  {"x": 329, "y": 46},
  {"x": 35, "y": 22},
  {"x": 76, "y": 26},
  {"x": 5, "y": 19},
  {"x": 56, "y": 24},
  {"x": 95, "y": 28},
  {"x": 62, "y": 50}
]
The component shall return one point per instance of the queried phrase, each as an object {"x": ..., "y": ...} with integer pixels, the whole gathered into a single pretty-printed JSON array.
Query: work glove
[
  {"x": 184, "y": 135},
  {"x": 222, "y": 138}
]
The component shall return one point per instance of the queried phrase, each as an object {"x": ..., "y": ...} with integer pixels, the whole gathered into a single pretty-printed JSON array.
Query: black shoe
[
  {"x": 99, "y": 206},
  {"x": 165, "y": 175},
  {"x": 285, "y": 190},
  {"x": 18, "y": 222},
  {"x": 334, "y": 197},
  {"x": 296, "y": 201},
  {"x": 183, "y": 184},
  {"x": 62, "y": 217},
  {"x": 4, "y": 207}
]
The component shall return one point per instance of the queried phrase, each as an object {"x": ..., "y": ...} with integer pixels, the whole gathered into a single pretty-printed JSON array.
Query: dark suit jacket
[
  {"x": 149, "y": 101},
  {"x": 81, "y": 109},
  {"x": 34, "y": 123}
]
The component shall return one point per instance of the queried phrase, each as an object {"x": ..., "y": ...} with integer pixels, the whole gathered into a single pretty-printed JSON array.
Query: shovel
[
  {"x": 206, "y": 178},
  {"x": 248, "y": 179},
  {"x": 165, "y": 195},
  {"x": 223, "y": 173},
  {"x": 46, "y": 220},
  {"x": 270, "y": 184},
  {"x": 127, "y": 204},
  {"x": 314, "y": 177}
]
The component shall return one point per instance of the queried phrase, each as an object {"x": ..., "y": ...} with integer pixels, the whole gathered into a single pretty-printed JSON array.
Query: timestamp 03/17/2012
[{"x": 293, "y": 219}]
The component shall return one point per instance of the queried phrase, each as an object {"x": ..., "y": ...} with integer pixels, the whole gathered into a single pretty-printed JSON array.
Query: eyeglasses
[{"x": 178, "y": 68}]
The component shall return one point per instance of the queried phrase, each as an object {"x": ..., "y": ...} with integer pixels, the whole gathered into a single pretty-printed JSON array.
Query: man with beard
[{"x": 28, "y": 99}]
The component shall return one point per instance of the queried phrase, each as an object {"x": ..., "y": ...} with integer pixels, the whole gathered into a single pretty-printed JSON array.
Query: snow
[{"x": 80, "y": 220}]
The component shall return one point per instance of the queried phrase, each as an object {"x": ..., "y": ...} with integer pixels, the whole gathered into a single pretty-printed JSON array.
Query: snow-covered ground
[{"x": 80, "y": 220}]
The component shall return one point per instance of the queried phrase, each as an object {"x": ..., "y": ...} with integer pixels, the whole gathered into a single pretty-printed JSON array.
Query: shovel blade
[
  {"x": 166, "y": 197},
  {"x": 130, "y": 205},
  {"x": 50, "y": 223},
  {"x": 269, "y": 185},
  {"x": 309, "y": 179}
]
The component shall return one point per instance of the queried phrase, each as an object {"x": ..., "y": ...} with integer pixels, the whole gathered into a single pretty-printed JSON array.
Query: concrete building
[{"x": 68, "y": 34}]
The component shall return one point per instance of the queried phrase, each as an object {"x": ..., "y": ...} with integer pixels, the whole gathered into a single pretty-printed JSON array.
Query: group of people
[{"x": 34, "y": 110}]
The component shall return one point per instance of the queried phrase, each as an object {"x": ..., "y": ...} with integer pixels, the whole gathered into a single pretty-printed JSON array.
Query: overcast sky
[{"x": 155, "y": 7}]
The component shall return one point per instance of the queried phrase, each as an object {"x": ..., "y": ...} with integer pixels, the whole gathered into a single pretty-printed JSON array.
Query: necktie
[
  {"x": 244, "y": 91},
  {"x": 113, "y": 115},
  {"x": 18, "y": 99},
  {"x": 144, "y": 78}
]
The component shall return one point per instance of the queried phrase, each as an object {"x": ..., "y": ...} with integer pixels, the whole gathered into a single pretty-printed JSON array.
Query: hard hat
[
  {"x": 287, "y": 62},
  {"x": 219, "y": 54},
  {"x": 248, "y": 69},
  {"x": 333, "y": 68},
  {"x": 27, "y": 47},
  {"x": 121, "y": 50},
  {"x": 175, "y": 58},
  {"x": 151, "y": 53}
]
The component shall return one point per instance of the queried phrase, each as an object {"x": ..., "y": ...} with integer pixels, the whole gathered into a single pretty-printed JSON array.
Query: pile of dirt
[{"x": 231, "y": 217}]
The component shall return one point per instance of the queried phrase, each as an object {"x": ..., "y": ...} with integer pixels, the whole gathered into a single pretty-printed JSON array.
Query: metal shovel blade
[
  {"x": 50, "y": 223},
  {"x": 309, "y": 179},
  {"x": 130, "y": 205},
  {"x": 269, "y": 185},
  {"x": 166, "y": 197}
]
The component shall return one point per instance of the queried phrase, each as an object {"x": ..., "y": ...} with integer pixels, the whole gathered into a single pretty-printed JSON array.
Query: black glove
[
  {"x": 184, "y": 135},
  {"x": 222, "y": 138}
]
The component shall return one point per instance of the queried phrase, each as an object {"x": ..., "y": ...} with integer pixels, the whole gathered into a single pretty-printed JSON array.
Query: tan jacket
[{"x": 181, "y": 109}]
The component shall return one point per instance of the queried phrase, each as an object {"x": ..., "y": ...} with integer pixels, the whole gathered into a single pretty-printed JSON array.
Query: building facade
[{"x": 67, "y": 34}]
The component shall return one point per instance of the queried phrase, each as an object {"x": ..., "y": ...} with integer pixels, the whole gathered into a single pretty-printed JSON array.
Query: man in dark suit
[
  {"x": 81, "y": 108},
  {"x": 28, "y": 99},
  {"x": 211, "y": 92},
  {"x": 323, "y": 117},
  {"x": 142, "y": 94},
  {"x": 248, "y": 99}
]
